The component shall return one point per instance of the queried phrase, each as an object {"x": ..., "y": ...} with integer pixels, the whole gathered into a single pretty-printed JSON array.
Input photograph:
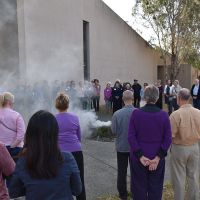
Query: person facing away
[
  {"x": 136, "y": 88},
  {"x": 184, "y": 162},
  {"x": 42, "y": 171},
  {"x": 120, "y": 123},
  {"x": 7, "y": 167},
  {"x": 195, "y": 93},
  {"x": 70, "y": 136},
  {"x": 12, "y": 126},
  {"x": 149, "y": 136}
]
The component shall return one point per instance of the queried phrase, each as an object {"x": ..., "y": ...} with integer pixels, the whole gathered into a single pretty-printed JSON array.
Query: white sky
[{"x": 124, "y": 9}]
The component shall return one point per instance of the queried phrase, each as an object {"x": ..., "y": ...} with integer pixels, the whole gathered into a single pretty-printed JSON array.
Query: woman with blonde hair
[
  {"x": 69, "y": 139},
  {"x": 12, "y": 126}
]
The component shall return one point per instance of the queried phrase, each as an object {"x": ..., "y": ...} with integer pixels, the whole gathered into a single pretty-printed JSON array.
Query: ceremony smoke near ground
[{"x": 33, "y": 86}]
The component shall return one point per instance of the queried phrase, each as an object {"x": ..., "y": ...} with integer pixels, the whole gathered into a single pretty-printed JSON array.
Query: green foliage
[
  {"x": 177, "y": 29},
  {"x": 102, "y": 133}
]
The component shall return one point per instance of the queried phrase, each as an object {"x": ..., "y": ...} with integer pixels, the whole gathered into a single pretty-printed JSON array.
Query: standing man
[
  {"x": 137, "y": 89},
  {"x": 195, "y": 92},
  {"x": 120, "y": 124},
  {"x": 175, "y": 90},
  {"x": 185, "y": 123},
  {"x": 168, "y": 96}
]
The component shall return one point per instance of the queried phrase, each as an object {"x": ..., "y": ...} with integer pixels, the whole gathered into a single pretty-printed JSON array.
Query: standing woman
[
  {"x": 97, "y": 93},
  {"x": 70, "y": 135},
  {"x": 117, "y": 93},
  {"x": 159, "y": 103},
  {"x": 42, "y": 171},
  {"x": 12, "y": 126},
  {"x": 108, "y": 97},
  {"x": 149, "y": 137}
]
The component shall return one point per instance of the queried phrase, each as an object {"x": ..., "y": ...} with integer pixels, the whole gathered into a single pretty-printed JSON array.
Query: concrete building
[{"x": 76, "y": 40}]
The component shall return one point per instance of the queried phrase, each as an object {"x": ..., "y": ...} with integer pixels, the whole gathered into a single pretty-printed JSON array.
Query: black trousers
[
  {"x": 147, "y": 185},
  {"x": 137, "y": 100},
  {"x": 96, "y": 103},
  {"x": 122, "y": 166},
  {"x": 78, "y": 155}
]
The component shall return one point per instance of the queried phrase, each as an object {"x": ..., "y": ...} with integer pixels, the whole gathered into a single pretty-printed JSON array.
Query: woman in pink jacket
[{"x": 12, "y": 126}]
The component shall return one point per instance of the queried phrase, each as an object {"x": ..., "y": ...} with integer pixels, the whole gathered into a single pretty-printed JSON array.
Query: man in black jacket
[
  {"x": 137, "y": 98},
  {"x": 195, "y": 93}
]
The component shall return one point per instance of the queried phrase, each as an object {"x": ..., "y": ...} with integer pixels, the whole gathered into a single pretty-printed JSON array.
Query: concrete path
[{"x": 101, "y": 168}]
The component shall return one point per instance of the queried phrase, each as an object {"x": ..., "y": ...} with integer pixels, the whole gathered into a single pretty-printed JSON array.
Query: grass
[{"x": 167, "y": 194}]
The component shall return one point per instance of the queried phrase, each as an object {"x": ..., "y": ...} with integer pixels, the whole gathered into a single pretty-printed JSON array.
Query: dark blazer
[
  {"x": 198, "y": 94},
  {"x": 62, "y": 187}
]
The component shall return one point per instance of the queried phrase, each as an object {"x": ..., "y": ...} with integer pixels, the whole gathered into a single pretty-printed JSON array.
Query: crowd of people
[{"x": 48, "y": 154}]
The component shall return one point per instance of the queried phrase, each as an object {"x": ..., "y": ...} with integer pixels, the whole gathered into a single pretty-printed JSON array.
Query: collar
[
  {"x": 152, "y": 108},
  {"x": 128, "y": 106},
  {"x": 186, "y": 106}
]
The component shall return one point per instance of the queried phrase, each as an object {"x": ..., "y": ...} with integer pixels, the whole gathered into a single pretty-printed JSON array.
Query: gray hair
[
  {"x": 151, "y": 94},
  {"x": 184, "y": 94},
  {"x": 127, "y": 95}
]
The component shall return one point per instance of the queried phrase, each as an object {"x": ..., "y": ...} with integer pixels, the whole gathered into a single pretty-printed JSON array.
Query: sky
[{"x": 124, "y": 9}]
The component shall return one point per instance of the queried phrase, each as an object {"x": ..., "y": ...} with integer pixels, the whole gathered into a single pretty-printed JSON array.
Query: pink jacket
[
  {"x": 12, "y": 127},
  {"x": 7, "y": 167}
]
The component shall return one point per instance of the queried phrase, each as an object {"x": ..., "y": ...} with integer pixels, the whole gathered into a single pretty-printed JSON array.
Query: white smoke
[{"x": 89, "y": 121}]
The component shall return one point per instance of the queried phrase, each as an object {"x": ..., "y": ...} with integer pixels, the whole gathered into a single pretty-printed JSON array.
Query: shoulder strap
[{"x": 7, "y": 126}]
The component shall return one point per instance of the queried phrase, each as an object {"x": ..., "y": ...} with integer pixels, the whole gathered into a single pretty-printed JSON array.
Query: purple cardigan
[
  {"x": 69, "y": 132},
  {"x": 149, "y": 132}
]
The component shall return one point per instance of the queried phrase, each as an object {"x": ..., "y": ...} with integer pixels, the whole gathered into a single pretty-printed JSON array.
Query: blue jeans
[{"x": 14, "y": 152}]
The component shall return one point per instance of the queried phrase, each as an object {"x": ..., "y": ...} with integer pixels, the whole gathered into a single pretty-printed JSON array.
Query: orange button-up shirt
[{"x": 185, "y": 123}]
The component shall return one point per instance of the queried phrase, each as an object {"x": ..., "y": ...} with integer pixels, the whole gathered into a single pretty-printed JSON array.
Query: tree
[{"x": 176, "y": 27}]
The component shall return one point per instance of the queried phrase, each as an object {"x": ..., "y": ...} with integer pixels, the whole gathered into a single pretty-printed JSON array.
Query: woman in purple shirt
[
  {"x": 149, "y": 137},
  {"x": 70, "y": 135},
  {"x": 108, "y": 97}
]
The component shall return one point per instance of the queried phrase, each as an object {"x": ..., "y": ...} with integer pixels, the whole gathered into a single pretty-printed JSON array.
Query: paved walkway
[{"x": 101, "y": 168}]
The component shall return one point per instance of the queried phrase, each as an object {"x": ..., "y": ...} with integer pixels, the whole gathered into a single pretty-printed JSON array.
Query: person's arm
[
  {"x": 16, "y": 187},
  {"x": 132, "y": 139},
  {"x": 75, "y": 180},
  {"x": 167, "y": 138},
  {"x": 174, "y": 124},
  {"x": 7, "y": 165},
  {"x": 20, "y": 131},
  {"x": 191, "y": 91},
  {"x": 78, "y": 131},
  {"x": 165, "y": 90}
]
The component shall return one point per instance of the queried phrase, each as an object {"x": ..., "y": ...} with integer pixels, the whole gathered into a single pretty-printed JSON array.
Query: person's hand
[
  {"x": 154, "y": 163},
  {"x": 145, "y": 161}
]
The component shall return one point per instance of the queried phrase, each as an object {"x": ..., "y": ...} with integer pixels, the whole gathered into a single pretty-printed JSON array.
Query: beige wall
[{"x": 52, "y": 45}]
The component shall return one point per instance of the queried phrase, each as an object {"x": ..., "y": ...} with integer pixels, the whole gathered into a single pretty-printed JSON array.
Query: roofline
[{"x": 130, "y": 27}]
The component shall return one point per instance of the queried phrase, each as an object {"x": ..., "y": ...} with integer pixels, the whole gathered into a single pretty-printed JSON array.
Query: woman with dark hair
[
  {"x": 117, "y": 92},
  {"x": 70, "y": 135},
  {"x": 42, "y": 171}
]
